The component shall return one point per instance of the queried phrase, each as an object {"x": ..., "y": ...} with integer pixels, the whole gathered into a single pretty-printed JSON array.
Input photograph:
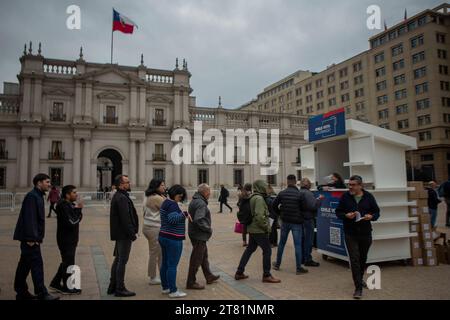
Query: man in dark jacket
[
  {"x": 433, "y": 202},
  {"x": 310, "y": 206},
  {"x": 357, "y": 208},
  {"x": 200, "y": 231},
  {"x": 68, "y": 215},
  {"x": 30, "y": 231},
  {"x": 223, "y": 198},
  {"x": 124, "y": 224},
  {"x": 290, "y": 205}
]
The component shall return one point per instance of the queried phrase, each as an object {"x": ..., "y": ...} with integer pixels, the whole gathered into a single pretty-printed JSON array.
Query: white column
[
  {"x": 86, "y": 163},
  {"x": 142, "y": 173},
  {"x": 142, "y": 105},
  {"x": 37, "y": 104},
  {"x": 185, "y": 169},
  {"x": 76, "y": 162},
  {"x": 26, "y": 103},
  {"x": 36, "y": 157},
  {"x": 132, "y": 162},
  {"x": 78, "y": 97},
  {"x": 133, "y": 104},
  {"x": 23, "y": 167},
  {"x": 88, "y": 102}
]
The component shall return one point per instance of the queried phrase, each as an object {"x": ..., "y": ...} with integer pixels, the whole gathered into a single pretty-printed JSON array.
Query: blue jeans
[
  {"x": 433, "y": 213},
  {"x": 171, "y": 254},
  {"x": 297, "y": 233},
  {"x": 308, "y": 238}
]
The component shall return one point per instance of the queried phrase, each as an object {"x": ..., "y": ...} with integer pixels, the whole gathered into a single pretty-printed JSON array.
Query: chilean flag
[{"x": 122, "y": 23}]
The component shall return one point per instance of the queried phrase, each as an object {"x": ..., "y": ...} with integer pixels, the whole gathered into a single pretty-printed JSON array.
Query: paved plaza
[{"x": 332, "y": 280}]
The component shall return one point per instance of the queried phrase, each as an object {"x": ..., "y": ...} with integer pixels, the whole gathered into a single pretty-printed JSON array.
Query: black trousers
[
  {"x": 30, "y": 260},
  {"x": 244, "y": 234},
  {"x": 68, "y": 259},
  {"x": 358, "y": 249},
  {"x": 226, "y": 204},
  {"x": 52, "y": 208},
  {"x": 122, "y": 251},
  {"x": 199, "y": 257},
  {"x": 274, "y": 234},
  {"x": 255, "y": 241}
]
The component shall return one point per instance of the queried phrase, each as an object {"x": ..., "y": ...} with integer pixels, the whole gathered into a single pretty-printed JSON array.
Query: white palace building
[{"x": 83, "y": 123}]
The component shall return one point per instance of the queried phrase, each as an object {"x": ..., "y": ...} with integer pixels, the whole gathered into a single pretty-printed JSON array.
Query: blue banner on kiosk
[
  {"x": 330, "y": 229},
  {"x": 327, "y": 125}
]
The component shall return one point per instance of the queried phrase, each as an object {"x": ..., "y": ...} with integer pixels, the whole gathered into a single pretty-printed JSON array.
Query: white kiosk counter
[{"x": 378, "y": 156}]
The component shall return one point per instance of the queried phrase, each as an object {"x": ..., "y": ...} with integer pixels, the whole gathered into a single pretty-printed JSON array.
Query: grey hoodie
[{"x": 200, "y": 227}]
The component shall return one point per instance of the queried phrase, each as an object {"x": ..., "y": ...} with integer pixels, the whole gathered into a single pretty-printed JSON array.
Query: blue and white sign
[
  {"x": 330, "y": 229},
  {"x": 327, "y": 125}
]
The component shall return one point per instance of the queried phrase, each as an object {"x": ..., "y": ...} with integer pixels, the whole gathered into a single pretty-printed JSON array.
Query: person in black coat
[
  {"x": 223, "y": 198},
  {"x": 357, "y": 208},
  {"x": 30, "y": 231},
  {"x": 124, "y": 226},
  {"x": 68, "y": 215}
]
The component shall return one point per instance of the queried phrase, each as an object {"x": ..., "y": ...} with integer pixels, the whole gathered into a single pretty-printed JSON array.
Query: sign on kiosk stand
[{"x": 351, "y": 147}]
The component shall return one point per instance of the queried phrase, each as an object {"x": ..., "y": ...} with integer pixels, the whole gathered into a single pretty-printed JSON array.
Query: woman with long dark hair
[{"x": 154, "y": 197}]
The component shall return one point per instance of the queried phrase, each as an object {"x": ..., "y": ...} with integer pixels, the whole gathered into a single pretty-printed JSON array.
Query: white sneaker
[
  {"x": 177, "y": 294},
  {"x": 155, "y": 281},
  {"x": 165, "y": 291}
]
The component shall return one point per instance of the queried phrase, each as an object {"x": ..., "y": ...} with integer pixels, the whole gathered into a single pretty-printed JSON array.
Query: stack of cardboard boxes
[{"x": 423, "y": 251}]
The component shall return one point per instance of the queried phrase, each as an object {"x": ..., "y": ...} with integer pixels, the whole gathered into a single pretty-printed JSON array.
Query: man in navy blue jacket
[
  {"x": 30, "y": 231},
  {"x": 357, "y": 208}
]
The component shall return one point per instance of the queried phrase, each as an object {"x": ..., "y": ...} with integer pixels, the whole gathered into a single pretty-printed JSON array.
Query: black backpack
[{"x": 244, "y": 214}]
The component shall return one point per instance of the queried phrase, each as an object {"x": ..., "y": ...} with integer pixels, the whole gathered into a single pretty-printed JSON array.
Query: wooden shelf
[{"x": 306, "y": 168}]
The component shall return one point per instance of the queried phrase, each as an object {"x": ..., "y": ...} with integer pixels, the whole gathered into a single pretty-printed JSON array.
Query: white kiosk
[{"x": 378, "y": 156}]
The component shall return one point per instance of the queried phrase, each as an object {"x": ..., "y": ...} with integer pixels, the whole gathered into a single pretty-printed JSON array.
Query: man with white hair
[{"x": 199, "y": 232}]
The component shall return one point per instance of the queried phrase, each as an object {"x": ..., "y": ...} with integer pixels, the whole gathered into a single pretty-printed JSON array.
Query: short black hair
[
  {"x": 40, "y": 177},
  {"x": 356, "y": 178},
  {"x": 248, "y": 187},
  {"x": 175, "y": 190},
  {"x": 291, "y": 177},
  {"x": 66, "y": 190},
  {"x": 118, "y": 179},
  {"x": 153, "y": 187}
]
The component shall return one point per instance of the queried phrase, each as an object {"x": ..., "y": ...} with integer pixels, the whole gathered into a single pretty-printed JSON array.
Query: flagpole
[{"x": 112, "y": 38}]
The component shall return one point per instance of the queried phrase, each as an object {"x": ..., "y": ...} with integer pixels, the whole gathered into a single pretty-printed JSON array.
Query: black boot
[{"x": 124, "y": 292}]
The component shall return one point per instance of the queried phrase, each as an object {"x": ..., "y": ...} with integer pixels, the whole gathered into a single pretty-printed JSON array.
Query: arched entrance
[{"x": 109, "y": 165}]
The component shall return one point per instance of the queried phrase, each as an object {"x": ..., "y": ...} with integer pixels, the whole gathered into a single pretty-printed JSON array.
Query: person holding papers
[{"x": 357, "y": 208}]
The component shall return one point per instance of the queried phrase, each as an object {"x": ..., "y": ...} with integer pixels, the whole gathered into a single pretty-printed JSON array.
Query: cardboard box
[
  {"x": 430, "y": 257},
  {"x": 416, "y": 253},
  {"x": 415, "y": 211},
  {"x": 414, "y": 227},
  {"x": 427, "y": 244},
  {"x": 424, "y": 218},
  {"x": 415, "y": 243},
  {"x": 442, "y": 253},
  {"x": 416, "y": 262},
  {"x": 426, "y": 236}
]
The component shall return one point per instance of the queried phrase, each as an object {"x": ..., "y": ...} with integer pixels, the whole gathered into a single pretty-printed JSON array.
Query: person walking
[
  {"x": 124, "y": 226},
  {"x": 30, "y": 231},
  {"x": 53, "y": 198},
  {"x": 68, "y": 215},
  {"x": 433, "y": 202},
  {"x": 154, "y": 197},
  {"x": 200, "y": 232},
  {"x": 259, "y": 230},
  {"x": 310, "y": 206},
  {"x": 357, "y": 208},
  {"x": 289, "y": 206},
  {"x": 444, "y": 192},
  {"x": 223, "y": 198},
  {"x": 171, "y": 236},
  {"x": 271, "y": 195},
  {"x": 245, "y": 194}
]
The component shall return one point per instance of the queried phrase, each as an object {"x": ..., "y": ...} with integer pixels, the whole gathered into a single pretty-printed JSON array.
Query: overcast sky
[{"x": 234, "y": 48}]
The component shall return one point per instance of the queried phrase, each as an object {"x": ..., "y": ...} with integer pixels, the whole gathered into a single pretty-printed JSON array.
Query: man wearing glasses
[{"x": 357, "y": 208}]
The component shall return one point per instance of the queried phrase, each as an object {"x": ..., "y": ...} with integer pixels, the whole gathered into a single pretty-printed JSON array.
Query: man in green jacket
[{"x": 259, "y": 231}]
